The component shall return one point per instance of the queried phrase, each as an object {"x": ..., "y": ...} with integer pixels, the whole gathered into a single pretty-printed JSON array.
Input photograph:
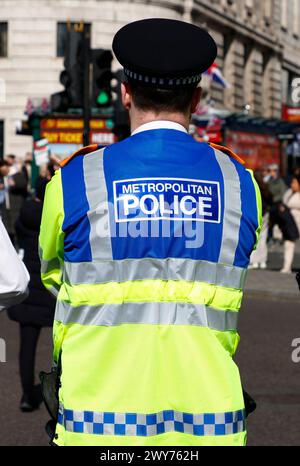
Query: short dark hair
[
  {"x": 3, "y": 163},
  {"x": 161, "y": 100},
  {"x": 296, "y": 176}
]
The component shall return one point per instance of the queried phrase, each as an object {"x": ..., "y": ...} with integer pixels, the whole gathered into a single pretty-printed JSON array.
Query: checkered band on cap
[
  {"x": 136, "y": 424},
  {"x": 164, "y": 82}
]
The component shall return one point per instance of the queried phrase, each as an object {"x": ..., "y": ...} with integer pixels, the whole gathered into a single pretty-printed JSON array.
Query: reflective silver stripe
[
  {"x": 232, "y": 208},
  {"x": 154, "y": 269},
  {"x": 53, "y": 290},
  {"x": 147, "y": 313},
  {"x": 47, "y": 266},
  {"x": 98, "y": 215}
]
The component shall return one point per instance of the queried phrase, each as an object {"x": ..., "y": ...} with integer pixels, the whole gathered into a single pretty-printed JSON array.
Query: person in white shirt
[
  {"x": 292, "y": 200},
  {"x": 14, "y": 277},
  {"x": 4, "y": 169}
]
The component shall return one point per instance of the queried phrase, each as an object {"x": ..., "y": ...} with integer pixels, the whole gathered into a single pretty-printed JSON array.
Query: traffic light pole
[
  {"x": 82, "y": 94},
  {"x": 86, "y": 80}
]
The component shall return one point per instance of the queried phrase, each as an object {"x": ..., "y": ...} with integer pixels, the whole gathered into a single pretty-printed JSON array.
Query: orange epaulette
[
  {"x": 228, "y": 152},
  {"x": 81, "y": 151}
]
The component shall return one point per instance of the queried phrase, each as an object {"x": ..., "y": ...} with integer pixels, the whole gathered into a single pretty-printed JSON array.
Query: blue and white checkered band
[
  {"x": 159, "y": 81},
  {"x": 108, "y": 423}
]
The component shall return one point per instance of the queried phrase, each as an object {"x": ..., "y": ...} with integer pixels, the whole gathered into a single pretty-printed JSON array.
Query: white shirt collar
[{"x": 159, "y": 124}]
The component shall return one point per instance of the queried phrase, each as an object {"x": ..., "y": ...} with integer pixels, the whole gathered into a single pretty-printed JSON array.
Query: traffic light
[
  {"x": 121, "y": 117},
  {"x": 102, "y": 76},
  {"x": 72, "y": 77}
]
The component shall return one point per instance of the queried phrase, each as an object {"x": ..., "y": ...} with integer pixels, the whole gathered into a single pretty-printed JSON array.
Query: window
[
  {"x": 62, "y": 32},
  {"x": 296, "y": 18},
  {"x": 229, "y": 5},
  {"x": 268, "y": 12},
  {"x": 226, "y": 3},
  {"x": 249, "y": 7},
  {"x": 3, "y": 39},
  {"x": 284, "y": 14},
  {"x": 285, "y": 86},
  {"x": 268, "y": 8},
  {"x": 247, "y": 52}
]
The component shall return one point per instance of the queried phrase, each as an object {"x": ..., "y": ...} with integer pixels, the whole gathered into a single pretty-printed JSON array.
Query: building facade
[{"x": 258, "y": 49}]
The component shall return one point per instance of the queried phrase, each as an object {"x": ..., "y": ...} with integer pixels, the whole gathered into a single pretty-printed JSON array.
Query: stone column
[
  {"x": 216, "y": 90},
  {"x": 253, "y": 80},
  {"x": 272, "y": 87},
  {"x": 234, "y": 98},
  {"x": 188, "y": 6}
]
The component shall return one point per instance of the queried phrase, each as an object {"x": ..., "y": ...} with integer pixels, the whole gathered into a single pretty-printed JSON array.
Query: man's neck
[{"x": 140, "y": 118}]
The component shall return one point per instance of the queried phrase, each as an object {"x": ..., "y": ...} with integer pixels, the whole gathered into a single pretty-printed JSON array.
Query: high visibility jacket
[{"x": 146, "y": 244}]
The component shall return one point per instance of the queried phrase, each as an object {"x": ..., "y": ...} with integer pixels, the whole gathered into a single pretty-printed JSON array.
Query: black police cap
[{"x": 164, "y": 53}]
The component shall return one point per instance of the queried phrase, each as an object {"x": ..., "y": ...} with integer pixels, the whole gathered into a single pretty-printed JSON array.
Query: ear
[
  {"x": 196, "y": 98},
  {"x": 126, "y": 95}
]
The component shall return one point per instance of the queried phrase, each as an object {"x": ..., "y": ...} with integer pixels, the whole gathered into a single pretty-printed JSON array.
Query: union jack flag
[{"x": 216, "y": 75}]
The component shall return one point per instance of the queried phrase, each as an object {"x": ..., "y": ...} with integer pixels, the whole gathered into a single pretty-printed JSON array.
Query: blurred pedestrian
[
  {"x": 291, "y": 201},
  {"x": 14, "y": 277},
  {"x": 26, "y": 169},
  {"x": 296, "y": 171},
  {"x": 12, "y": 163},
  {"x": 265, "y": 173},
  {"x": 4, "y": 169},
  {"x": 276, "y": 184},
  {"x": 277, "y": 188},
  {"x": 17, "y": 186},
  {"x": 37, "y": 310},
  {"x": 259, "y": 256}
]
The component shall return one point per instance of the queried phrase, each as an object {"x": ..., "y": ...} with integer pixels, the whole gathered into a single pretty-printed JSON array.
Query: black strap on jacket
[{"x": 50, "y": 386}]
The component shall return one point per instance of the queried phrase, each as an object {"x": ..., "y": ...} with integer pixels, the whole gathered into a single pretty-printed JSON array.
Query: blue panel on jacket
[
  {"x": 249, "y": 220},
  {"x": 166, "y": 173},
  {"x": 76, "y": 223}
]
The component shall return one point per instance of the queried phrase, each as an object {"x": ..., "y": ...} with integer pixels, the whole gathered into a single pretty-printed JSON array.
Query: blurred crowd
[
  {"x": 281, "y": 216},
  {"x": 21, "y": 211},
  {"x": 16, "y": 187}
]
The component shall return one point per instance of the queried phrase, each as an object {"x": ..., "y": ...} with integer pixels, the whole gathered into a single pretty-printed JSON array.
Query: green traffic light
[
  {"x": 109, "y": 124},
  {"x": 102, "y": 98}
]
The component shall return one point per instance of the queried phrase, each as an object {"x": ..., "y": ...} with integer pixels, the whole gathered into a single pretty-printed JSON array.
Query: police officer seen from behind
[{"x": 146, "y": 244}]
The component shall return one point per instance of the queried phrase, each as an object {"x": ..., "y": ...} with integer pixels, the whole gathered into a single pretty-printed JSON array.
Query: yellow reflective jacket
[{"x": 146, "y": 243}]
